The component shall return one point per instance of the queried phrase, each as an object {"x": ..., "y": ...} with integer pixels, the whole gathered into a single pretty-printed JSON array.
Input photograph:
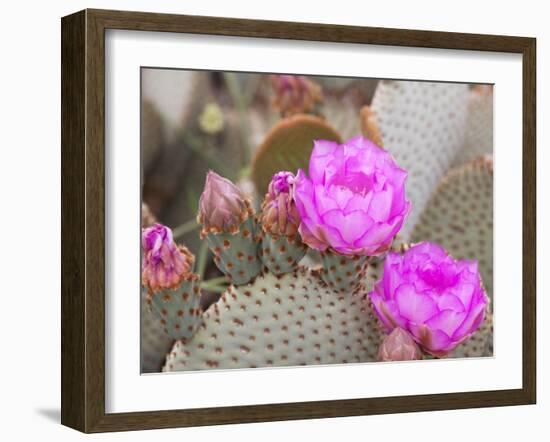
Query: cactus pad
[
  {"x": 288, "y": 320},
  {"x": 369, "y": 126},
  {"x": 155, "y": 343},
  {"x": 422, "y": 126},
  {"x": 235, "y": 254},
  {"x": 343, "y": 273},
  {"x": 479, "y": 126},
  {"x": 281, "y": 254},
  {"x": 288, "y": 146},
  {"x": 178, "y": 309},
  {"x": 460, "y": 216}
]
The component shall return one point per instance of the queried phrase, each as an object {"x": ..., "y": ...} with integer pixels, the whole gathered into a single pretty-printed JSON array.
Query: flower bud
[
  {"x": 295, "y": 94},
  {"x": 279, "y": 213},
  {"x": 399, "y": 346},
  {"x": 222, "y": 206},
  {"x": 165, "y": 264}
]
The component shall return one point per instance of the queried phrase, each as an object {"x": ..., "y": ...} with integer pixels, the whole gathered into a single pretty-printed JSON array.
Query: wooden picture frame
[{"x": 83, "y": 220}]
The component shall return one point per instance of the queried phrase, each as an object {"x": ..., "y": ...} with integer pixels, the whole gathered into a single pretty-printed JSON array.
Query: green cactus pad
[
  {"x": 460, "y": 216},
  {"x": 154, "y": 342},
  {"x": 178, "y": 309},
  {"x": 423, "y": 126},
  {"x": 479, "y": 126},
  {"x": 281, "y": 254},
  {"x": 288, "y": 146},
  {"x": 343, "y": 273},
  {"x": 236, "y": 254},
  {"x": 287, "y": 320}
]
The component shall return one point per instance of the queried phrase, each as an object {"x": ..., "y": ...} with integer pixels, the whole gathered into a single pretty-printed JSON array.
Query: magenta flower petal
[
  {"x": 381, "y": 204},
  {"x": 447, "y": 321},
  {"x": 472, "y": 321},
  {"x": 416, "y": 307},
  {"x": 387, "y": 312},
  {"x": 438, "y": 299},
  {"x": 353, "y": 200},
  {"x": 349, "y": 226},
  {"x": 321, "y": 156}
]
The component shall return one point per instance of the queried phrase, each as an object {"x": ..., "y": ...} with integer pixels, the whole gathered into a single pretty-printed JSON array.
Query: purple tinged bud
[
  {"x": 165, "y": 264},
  {"x": 279, "y": 213},
  {"x": 222, "y": 206},
  {"x": 399, "y": 346},
  {"x": 295, "y": 94}
]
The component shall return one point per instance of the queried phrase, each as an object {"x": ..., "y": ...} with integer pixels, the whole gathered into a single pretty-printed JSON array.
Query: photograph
[{"x": 305, "y": 220}]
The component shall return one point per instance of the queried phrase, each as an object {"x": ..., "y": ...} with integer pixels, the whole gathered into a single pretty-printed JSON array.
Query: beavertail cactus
[
  {"x": 293, "y": 319},
  {"x": 459, "y": 216},
  {"x": 287, "y": 146},
  {"x": 440, "y": 301},
  {"x": 172, "y": 292},
  {"x": 335, "y": 267},
  {"x": 282, "y": 247},
  {"x": 351, "y": 206},
  {"x": 422, "y": 126},
  {"x": 227, "y": 217}
]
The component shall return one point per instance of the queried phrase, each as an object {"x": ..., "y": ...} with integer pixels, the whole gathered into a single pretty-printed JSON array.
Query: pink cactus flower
[
  {"x": 295, "y": 94},
  {"x": 353, "y": 201},
  {"x": 398, "y": 346},
  {"x": 279, "y": 213},
  {"x": 222, "y": 206},
  {"x": 165, "y": 264},
  {"x": 440, "y": 301}
]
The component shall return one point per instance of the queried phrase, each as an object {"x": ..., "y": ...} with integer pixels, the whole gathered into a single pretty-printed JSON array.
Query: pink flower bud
[
  {"x": 295, "y": 94},
  {"x": 399, "y": 346},
  {"x": 279, "y": 213},
  {"x": 222, "y": 206},
  {"x": 165, "y": 264}
]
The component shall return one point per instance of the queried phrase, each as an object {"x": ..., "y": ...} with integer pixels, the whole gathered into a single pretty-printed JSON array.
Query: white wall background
[{"x": 30, "y": 216}]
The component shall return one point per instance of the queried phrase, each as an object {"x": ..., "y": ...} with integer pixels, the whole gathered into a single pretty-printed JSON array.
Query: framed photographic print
[{"x": 266, "y": 220}]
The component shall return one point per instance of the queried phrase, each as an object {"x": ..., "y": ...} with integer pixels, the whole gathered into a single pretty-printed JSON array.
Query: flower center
[
  {"x": 358, "y": 183},
  {"x": 439, "y": 278}
]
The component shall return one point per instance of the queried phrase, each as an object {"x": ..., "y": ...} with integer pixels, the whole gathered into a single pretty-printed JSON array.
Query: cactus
[
  {"x": 293, "y": 319},
  {"x": 281, "y": 312},
  {"x": 422, "y": 126},
  {"x": 343, "y": 273},
  {"x": 460, "y": 216},
  {"x": 478, "y": 139},
  {"x": 229, "y": 228},
  {"x": 287, "y": 146},
  {"x": 281, "y": 247},
  {"x": 178, "y": 309},
  {"x": 281, "y": 254},
  {"x": 235, "y": 253},
  {"x": 154, "y": 342}
]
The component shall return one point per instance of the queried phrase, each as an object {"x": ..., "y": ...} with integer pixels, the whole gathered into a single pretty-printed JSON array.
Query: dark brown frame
[{"x": 83, "y": 216}]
